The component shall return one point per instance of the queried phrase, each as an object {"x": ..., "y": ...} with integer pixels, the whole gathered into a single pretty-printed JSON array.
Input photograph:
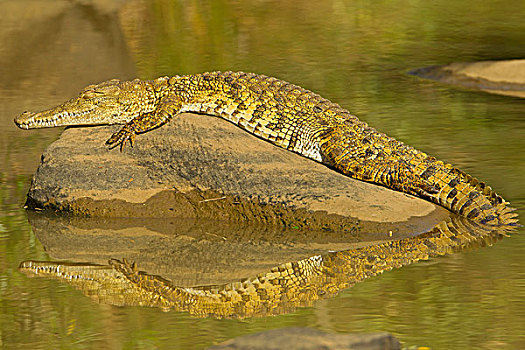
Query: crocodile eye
[{"x": 89, "y": 94}]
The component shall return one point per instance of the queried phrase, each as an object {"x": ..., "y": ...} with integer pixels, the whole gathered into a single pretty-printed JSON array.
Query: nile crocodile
[{"x": 287, "y": 116}]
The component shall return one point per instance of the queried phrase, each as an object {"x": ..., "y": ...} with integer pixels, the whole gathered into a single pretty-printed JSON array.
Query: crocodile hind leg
[{"x": 166, "y": 109}]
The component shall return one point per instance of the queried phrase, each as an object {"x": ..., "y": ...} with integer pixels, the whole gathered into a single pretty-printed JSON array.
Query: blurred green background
[{"x": 355, "y": 53}]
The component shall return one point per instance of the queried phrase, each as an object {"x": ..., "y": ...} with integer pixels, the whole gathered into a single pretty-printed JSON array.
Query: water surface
[{"x": 355, "y": 53}]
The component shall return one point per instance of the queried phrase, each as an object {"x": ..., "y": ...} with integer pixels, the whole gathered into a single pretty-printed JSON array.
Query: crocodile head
[{"x": 110, "y": 102}]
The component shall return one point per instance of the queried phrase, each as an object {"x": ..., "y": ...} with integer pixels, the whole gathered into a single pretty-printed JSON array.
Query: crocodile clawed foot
[{"x": 121, "y": 137}]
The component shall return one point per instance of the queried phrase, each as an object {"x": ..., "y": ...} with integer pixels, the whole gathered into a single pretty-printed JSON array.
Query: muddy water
[{"x": 354, "y": 53}]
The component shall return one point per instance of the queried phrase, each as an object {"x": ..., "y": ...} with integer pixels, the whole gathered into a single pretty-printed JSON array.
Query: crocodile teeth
[{"x": 52, "y": 121}]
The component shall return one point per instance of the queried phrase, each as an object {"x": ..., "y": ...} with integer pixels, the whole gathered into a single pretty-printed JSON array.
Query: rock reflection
[{"x": 278, "y": 289}]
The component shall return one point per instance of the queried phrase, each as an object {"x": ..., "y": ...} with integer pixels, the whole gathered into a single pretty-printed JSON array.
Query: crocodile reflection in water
[{"x": 277, "y": 291}]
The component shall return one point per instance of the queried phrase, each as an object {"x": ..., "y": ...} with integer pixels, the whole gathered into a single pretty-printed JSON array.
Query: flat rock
[
  {"x": 199, "y": 166},
  {"x": 310, "y": 339},
  {"x": 506, "y": 77}
]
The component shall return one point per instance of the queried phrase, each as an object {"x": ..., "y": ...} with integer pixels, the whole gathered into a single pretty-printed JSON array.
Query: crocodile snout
[{"x": 24, "y": 119}]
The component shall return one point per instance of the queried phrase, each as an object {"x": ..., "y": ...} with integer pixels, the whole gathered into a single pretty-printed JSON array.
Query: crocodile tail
[
  {"x": 465, "y": 195},
  {"x": 362, "y": 153}
]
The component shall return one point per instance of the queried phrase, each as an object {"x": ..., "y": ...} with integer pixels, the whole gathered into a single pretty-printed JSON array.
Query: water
[{"x": 355, "y": 53}]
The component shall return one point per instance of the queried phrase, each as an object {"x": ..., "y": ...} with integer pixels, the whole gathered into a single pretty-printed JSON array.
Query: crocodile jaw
[
  {"x": 56, "y": 117},
  {"x": 110, "y": 102}
]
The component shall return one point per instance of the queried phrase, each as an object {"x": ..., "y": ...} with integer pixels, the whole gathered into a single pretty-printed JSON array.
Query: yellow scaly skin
[{"x": 287, "y": 116}]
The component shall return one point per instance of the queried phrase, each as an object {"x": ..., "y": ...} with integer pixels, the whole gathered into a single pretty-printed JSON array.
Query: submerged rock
[
  {"x": 498, "y": 77},
  {"x": 199, "y": 166},
  {"x": 307, "y": 338}
]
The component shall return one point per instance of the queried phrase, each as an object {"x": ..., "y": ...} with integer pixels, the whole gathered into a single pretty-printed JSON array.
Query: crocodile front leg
[{"x": 167, "y": 108}]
